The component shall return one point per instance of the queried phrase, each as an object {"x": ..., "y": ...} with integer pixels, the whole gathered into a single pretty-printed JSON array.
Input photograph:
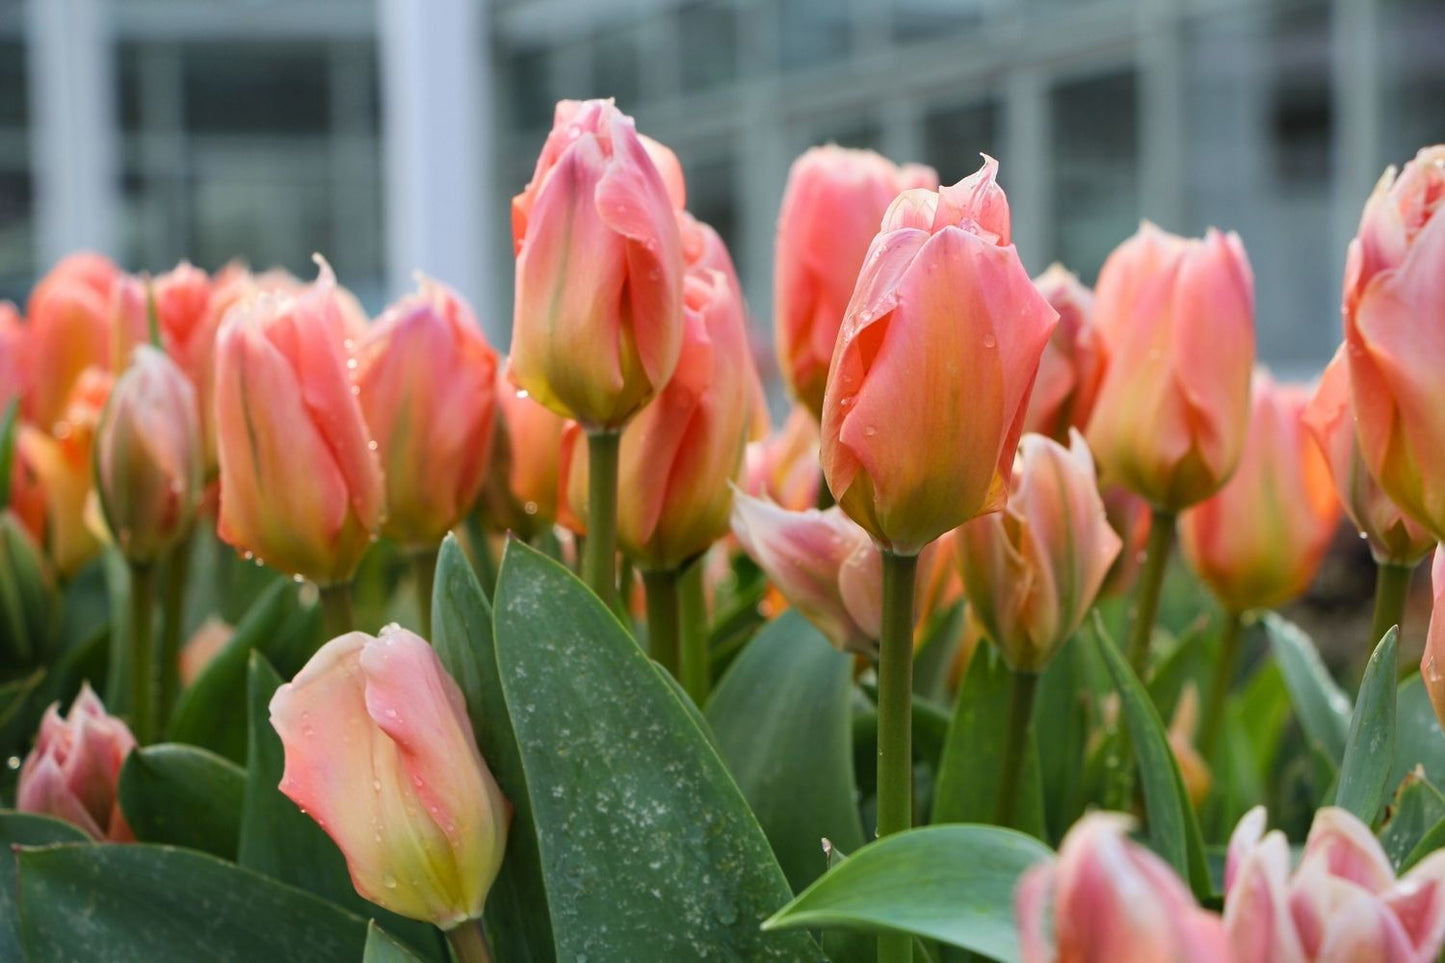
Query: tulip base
[
  {"x": 599, "y": 553},
  {"x": 1151, "y": 585},
  {"x": 469, "y": 943},
  {"x": 1022, "y": 686},
  {"x": 1392, "y": 587},
  {"x": 895, "y": 719}
]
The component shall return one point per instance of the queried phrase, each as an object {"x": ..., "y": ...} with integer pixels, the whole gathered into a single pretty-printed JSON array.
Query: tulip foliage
[{"x": 332, "y": 638}]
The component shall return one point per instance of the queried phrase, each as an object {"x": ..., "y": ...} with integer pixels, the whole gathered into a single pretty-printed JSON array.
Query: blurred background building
[{"x": 391, "y": 134}]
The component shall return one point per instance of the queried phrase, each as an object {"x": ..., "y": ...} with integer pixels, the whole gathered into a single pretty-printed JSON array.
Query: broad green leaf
[
  {"x": 1370, "y": 749},
  {"x": 783, "y": 723},
  {"x": 516, "y": 913},
  {"x": 649, "y": 850},
  {"x": 1171, "y": 824},
  {"x": 183, "y": 796},
  {"x": 382, "y": 947},
  {"x": 1323, "y": 709},
  {"x": 968, "y": 773},
  {"x": 23, "y": 829},
  {"x": 139, "y": 903},
  {"x": 1417, "y": 733},
  {"x": 281, "y": 841},
  {"x": 1418, "y": 808},
  {"x": 954, "y": 884}
]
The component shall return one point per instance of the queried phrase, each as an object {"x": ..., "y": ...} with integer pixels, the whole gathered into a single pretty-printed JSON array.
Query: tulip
[
  {"x": 832, "y": 204},
  {"x": 380, "y": 752},
  {"x": 188, "y": 312},
  {"x": 208, "y": 641},
  {"x": 69, "y": 323},
  {"x": 1193, "y": 770},
  {"x": 1032, "y": 572},
  {"x": 1104, "y": 899},
  {"x": 1432, "y": 663},
  {"x": 598, "y": 325},
  {"x": 522, "y": 493},
  {"x": 1260, "y": 540},
  {"x": 1130, "y": 518},
  {"x": 1394, "y": 298},
  {"x": 1072, "y": 366},
  {"x": 935, "y": 359},
  {"x": 301, "y": 486},
  {"x": 783, "y": 467},
  {"x": 148, "y": 457},
  {"x": 428, "y": 381},
  {"x": 72, "y": 772},
  {"x": 1341, "y": 904},
  {"x": 13, "y": 360}
]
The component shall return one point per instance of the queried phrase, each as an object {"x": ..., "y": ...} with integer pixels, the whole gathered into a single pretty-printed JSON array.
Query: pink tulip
[
  {"x": 73, "y": 770},
  {"x": 379, "y": 751},
  {"x": 428, "y": 392},
  {"x": 783, "y": 467},
  {"x": 1394, "y": 300},
  {"x": 69, "y": 321},
  {"x": 186, "y": 311},
  {"x": 598, "y": 324},
  {"x": 930, "y": 379},
  {"x": 1432, "y": 662},
  {"x": 1072, "y": 366},
  {"x": 1032, "y": 572},
  {"x": 1105, "y": 899},
  {"x": 14, "y": 363},
  {"x": 521, "y": 494},
  {"x": 1177, "y": 321},
  {"x": 301, "y": 486},
  {"x": 1342, "y": 904}
]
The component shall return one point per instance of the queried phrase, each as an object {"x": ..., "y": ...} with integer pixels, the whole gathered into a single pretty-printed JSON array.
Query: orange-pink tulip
[
  {"x": 1394, "y": 537},
  {"x": 73, "y": 771},
  {"x": 380, "y": 752},
  {"x": 301, "y": 486},
  {"x": 1072, "y": 366},
  {"x": 1258, "y": 542},
  {"x": 598, "y": 323},
  {"x": 428, "y": 392},
  {"x": 1177, "y": 321},
  {"x": 1032, "y": 571},
  {"x": 69, "y": 321},
  {"x": 188, "y": 315},
  {"x": 521, "y": 493},
  {"x": 1394, "y": 303},
  {"x": 832, "y": 205},
  {"x": 1432, "y": 663},
  {"x": 783, "y": 466},
  {"x": 1130, "y": 518},
  {"x": 148, "y": 457},
  {"x": 931, "y": 376},
  {"x": 14, "y": 365},
  {"x": 1106, "y": 899}
]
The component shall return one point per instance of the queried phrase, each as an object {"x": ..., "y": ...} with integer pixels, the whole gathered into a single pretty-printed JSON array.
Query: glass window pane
[
  {"x": 953, "y": 138},
  {"x": 708, "y": 34},
  {"x": 1412, "y": 61},
  {"x": 256, "y": 87},
  {"x": 813, "y": 32},
  {"x": 1095, "y": 168}
]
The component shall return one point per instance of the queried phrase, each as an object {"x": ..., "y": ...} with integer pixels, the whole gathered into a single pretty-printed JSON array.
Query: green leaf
[
  {"x": 1418, "y": 808},
  {"x": 1172, "y": 826},
  {"x": 9, "y": 421},
  {"x": 649, "y": 850},
  {"x": 1323, "y": 709},
  {"x": 1061, "y": 715},
  {"x": 968, "y": 774},
  {"x": 281, "y": 841},
  {"x": 954, "y": 884},
  {"x": 516, "y": 913},
  {"x": 782, "y": 716},
  {"x": 935, "y": 654},
  {"x": 23, "y": 829},
  {"x": 1417, "y": 733},
  {"x": 183, "y": 796},
  {"x": 29, "y": 616},
  {"x": 382, "y": 947},
  {"x": 1433, "y": 840},
  {"x": 151, "y": 904},
  {"x": 1370, "y": 750}
]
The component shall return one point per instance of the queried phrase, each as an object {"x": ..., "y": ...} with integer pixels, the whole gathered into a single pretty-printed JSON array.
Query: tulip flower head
[
  {"x": 521, "y": 492},
  {"x": 188, "y": 316},
  {"x": 598, "y": 324},
  {"x": 1394, "y": 309},
  {"x": 73, "y": 771},
  {"x": 783, "y": 467},
  {"x": 13, "y": 350},
  {"x": 935, "y": 359},
  {"x": 69, "y": 322},
  {"x": 1072, "y": 366},
  {"x": 1176, "y": 318}
]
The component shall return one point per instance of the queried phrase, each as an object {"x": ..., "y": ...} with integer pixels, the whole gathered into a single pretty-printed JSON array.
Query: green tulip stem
[
  {"x": 662, "y": 623},
  {"x": 173, "y": 611},
  {"x": 1392, "y": 587},
  {"x": 693, "y": 622},
  {"x": 337, "y": 615},
  {"x": 424, "y": 573},
  {"x": 1151, "y": 584},
  {"x": 895, "y": 719},
  {"x": 1225, "y": 666},
  {"x": 469, "y": 943},
  {"x": 1022, "y": 686},
  {"x": 142, "y": 653},
  {"x": 599, "y": 553}
]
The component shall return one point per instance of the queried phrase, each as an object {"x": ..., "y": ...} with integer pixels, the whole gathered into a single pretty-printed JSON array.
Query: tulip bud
[
  {"x": 1183, "y": 726},
  {"x": 72, "y": 772},
  {"x": 930, "y": 380},
  {"x": 598, "y": 323},
  {"x": 69, "y": 321},
  {"x": 783, "y": 467},
  {"x": 1176, "y": 318},
  {"x": 832, "y": 204},
  {"x": 1432, "y": 662},
  {"x": 301, "y": 486},
  {"x": 29, "y": 615},
  {"x": 1031, "y": 572},
  {"x": 1130, "y": 518},
  {"x": 148, "y": 466},
  {"x": 188, "y": 316},
  {"x": 1258, "y": 542},
  {"x": 207, "y": 642},
  {"x": 521, "y": 494},
  {"x": 428, "y": 392},
  {"x": 1393, "y": 303},
  {"x": 1105, "y": 898},
  {"x": 380, "y": 752},
  {"x": 1072, "y": 366},
  {"x": 14, "y": 363}
]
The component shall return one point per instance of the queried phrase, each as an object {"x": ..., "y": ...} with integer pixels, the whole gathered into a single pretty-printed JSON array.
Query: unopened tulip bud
[
  {"x": 69, "y": 317},
  {"x": 783, "y": 467},
  {"x": 1177, "y": 320},
  {"x": 301, "y": 487},
  {"x": 148, "y": 460},
  {"x": 1130, "y": 518},
  {"x": 73, "y": 771},
  {"x": 930, "y": 379},
  {"x": 380, "y": 752},
  {"x": 598, "y": 324},
  {"x": 428, "y": 392},
  {"x": 1182, "y": 729},
  {"x": 14, "y": 348},
  {"x": 1258, "y": 542},
  {"x": 1072, "y": 367},
  {"x": 831, "y": 208},
  {"x": 188, "y": 314},
  {"x": 521, "y": 494},
  {"x": 1432, "y": 663}
]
